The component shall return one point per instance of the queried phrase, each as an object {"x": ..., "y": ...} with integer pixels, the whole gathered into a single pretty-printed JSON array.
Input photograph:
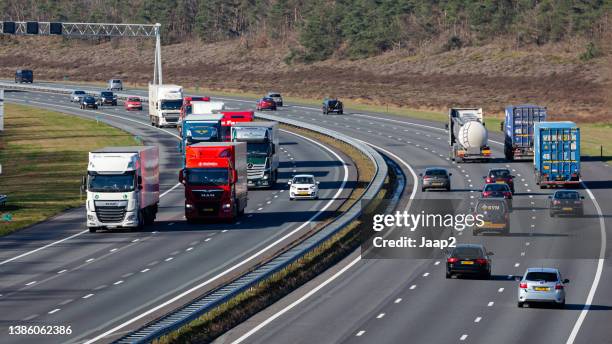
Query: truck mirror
[
  {"x": 446, "y": 126},
  {"x": 139, "y": 180},
  {"x": 501, "y": 126},
  {"x": 234, "y": 176},
  {"x": 83, "y": 183},
  {"x": 182, "y": 176},
  {"x": 273, "y": 149}
]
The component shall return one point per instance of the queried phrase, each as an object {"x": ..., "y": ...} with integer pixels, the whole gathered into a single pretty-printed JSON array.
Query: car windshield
[
  {"x": 133, "y": 99},
  {"x": 171, "y": 104},
  {"x": 467, "y": 252},
  {"x": 89, "y": 99},
  {"x": 437, "y": 173},
  {"x": 267, "y": 99},
  {"x": 116, "y": 81},
  {"x": 207, "y": 176},
  {"x": 541, "y": 276},
  {"x": 79, "y": 92},
  {"x": 274, "y": 95},
  {"x": 567, "y": 195},
  {"x": 499, "y": 173},
  {"x": 496, "y": 187},
  {"x": 111, "y": 182},
  {"x": 106, "y": 94},
  {"x": 303, "y": 180},
  {"x": 258, "y": 148}
]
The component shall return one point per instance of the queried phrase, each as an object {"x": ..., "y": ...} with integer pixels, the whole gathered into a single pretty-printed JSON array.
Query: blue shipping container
[
  {"x": 518, "y": 129},
  {"x": 556, "y": 153}
]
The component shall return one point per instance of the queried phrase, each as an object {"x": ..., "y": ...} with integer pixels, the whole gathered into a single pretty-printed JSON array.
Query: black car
[
  {"x": 495, "y": 216},
  {"x": 107, "y": 98},
  {"x": 566, "y": 202},
  {"x": 24, "y": 75},
  {"x": 89, "y": 102},
  {"x": 332, "y": 105},
  {"x": 469, "y": 259}
]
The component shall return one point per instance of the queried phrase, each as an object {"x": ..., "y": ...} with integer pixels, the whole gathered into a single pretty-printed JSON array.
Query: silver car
[
  {"x": 278, "y": 99},
  {"x": 115, "y": 85},
  {"x": 542, "y": 285},
  {"x": 77, "y": 96},
  {"x": 435, "y": 178}
]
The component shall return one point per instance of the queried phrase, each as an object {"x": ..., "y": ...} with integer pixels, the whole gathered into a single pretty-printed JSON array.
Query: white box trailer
[
  {"x": 165, "y": 103},
  {"x": 206, "y": 108},
  {"x": 122, "y": 185}
]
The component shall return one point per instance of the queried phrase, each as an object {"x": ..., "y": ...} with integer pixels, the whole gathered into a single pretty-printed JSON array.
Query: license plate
[
  {"x": 541, "y": 288},
  {"x": 303, "y": 193},
  {"x": 567, "y": 209},
  {"x": 207, "y": 209},
  {"x": 500, "y": 182},
  {"x": 467, "y": 262},
  {"x": 437, "y": 184}
]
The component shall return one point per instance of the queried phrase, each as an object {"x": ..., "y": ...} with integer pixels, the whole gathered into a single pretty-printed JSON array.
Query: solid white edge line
[
  {"x": 246, "y": 260},
  {"x": 337, "y": 274},
  {"x": 600, "y": 263}
]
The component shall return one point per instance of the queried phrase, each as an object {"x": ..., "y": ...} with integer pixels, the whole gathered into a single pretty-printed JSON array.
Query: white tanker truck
[{"x": 467, "y": 135}]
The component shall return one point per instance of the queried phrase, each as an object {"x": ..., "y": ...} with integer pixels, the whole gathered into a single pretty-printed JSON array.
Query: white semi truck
[
  {"x": 122, "y": 185},
  {"x": 467, "y": 135},
  {"x": 262, "y": 151},
  {"x": 165, "y": 103}
]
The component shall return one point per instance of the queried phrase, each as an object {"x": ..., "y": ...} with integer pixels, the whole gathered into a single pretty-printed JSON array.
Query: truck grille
[
  {"x": 256, "y": 171},
  {"x": 208, "y": 195},
  {"x": 110, "y": 214},
  {"x": 172, "y": 117}
]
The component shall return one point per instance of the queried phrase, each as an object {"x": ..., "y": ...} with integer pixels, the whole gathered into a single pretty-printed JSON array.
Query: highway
[
  {"x": 57, "y": 273},
  {"x": 390, "y": 301}
]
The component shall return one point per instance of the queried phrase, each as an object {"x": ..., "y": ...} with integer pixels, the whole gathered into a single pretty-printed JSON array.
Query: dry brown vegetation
[{"x": 491, "y": 76}]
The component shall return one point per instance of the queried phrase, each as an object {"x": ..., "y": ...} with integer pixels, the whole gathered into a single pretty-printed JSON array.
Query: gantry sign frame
[{"x": 90, "y": 30}]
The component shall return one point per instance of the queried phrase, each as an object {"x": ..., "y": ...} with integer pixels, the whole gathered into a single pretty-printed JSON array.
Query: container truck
[
  {"x": 231, "y": 118},
  {"x": 122, "y": 186},
  {"x": 165, "y": 103},
  {"x": 200, "y": 128},
  {"x": 215, "y": 180},
  {"x": 518, "y": 130},
  {"x": 556, "y": 147},
  {"x": 467, "y": 135},
  {"x": 261, "y": 139}
]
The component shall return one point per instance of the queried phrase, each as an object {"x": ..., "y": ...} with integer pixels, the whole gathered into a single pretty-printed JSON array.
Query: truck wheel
[{"x": 92, "y": 229}]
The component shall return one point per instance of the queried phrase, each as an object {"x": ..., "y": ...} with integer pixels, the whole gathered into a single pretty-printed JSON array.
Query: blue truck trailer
[
  {"x": 518, "y": 130},
  {"x": 556, "y": 158}
]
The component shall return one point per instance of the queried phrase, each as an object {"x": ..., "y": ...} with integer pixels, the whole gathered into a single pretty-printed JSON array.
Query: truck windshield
[
  {"x": 202, "y": 132},
  {"x": 111, "y": 182},
  {"x": 258, "y": 148},
  {"x": 207, "y": 176},
  {"x": 171, "y": 104}
]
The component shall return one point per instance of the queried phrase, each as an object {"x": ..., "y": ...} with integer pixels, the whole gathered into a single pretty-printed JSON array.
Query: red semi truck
[
  {"x": 232, "y": 117},
  {"x": 215, "y": 179}
]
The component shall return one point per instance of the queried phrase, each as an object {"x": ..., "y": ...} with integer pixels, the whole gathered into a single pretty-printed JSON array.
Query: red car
[
  {"x": 500, "y": 176},
  {"x": 266, "y": 104},
  {"x": 133, "y": 103}
]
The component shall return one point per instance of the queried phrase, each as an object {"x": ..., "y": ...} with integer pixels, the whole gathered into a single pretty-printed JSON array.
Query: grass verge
[
  {"x": 43, "y": 156},
  {"x": 216, "y": 322}
]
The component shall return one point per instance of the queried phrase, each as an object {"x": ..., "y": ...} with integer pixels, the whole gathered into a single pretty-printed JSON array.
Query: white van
[{"x": 115, "y": 85}]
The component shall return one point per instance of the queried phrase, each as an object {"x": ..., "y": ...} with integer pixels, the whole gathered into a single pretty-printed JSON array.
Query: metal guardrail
[{"x": 219, "y": 296}]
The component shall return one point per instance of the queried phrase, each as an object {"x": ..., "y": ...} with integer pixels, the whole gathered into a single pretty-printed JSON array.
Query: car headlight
[{"x": 312, "y": 187}]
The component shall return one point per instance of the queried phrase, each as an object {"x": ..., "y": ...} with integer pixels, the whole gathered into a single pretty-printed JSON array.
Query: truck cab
[
  {"x": 215, "y": 180},
  {"x": 262, "y": 143},
  {"x": 165, "y": 103},
  {"x": 122, "y": 186},
  {"x": 199, "y": 107},
  {"x": 200, "y": 128},
  {"x": 231, "y": 118}
]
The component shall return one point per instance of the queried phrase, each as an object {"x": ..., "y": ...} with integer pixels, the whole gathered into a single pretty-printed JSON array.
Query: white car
[
  {"x": 77, "y": 96},
  {"x": 303, "y": 186},
  {"x": 542, "y": 285}
]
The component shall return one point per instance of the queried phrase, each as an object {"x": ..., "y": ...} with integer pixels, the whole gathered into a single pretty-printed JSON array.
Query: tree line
[{"x": 319, "y": 29}]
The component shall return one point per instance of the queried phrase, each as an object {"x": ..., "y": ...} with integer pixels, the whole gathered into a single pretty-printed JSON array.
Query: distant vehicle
[
  {"x": 77, "y": 96},
  {"x": 165, "y": 103},
  {"x": 435, "y": 178},
  {"x": 215, "y": 179},
  {"x": 266, "y": 104},
  {"x": 556, "y": 160},
  {"x": 133, "y": 103},
  {"x": 498, "y": 190},
  {"x": 469, "y": 259},
  {"x": 542, "y": 285},
  {"x": 332, "y": 105},
  {"x": 262, "y": 151},
  {"x": 303, "y": 186},
  {"x": 467, "y": 135},
  {"x": 89, "y": 102},
  {"x": 500, "y": 176},
  {"x": 122, "y": 187},
  {"x": 566, "y": 202},
  {"x": 24, "y": 75},
  {"x": 115, "y": 85},
  {"x": 278, "y": 99},
  {"x": 107, "y": 98},
  {"x": 495, "y": 215},
  {"x": 518, "y": 130}
]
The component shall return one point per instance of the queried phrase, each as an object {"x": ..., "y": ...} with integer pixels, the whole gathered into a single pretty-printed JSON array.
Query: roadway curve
[
  {"x": 57, "y": 273},
  {"x": 388, "y": 301}
]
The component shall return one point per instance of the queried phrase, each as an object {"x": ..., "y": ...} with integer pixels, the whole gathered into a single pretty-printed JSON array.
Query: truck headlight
[
  {"x": 131, "y": 217},
  {"x": 265, "y": 176},
  {"x": 91, "y": 218},
  {"x": 188, "y": 206},
  {"x": 227, "y": 205}
]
